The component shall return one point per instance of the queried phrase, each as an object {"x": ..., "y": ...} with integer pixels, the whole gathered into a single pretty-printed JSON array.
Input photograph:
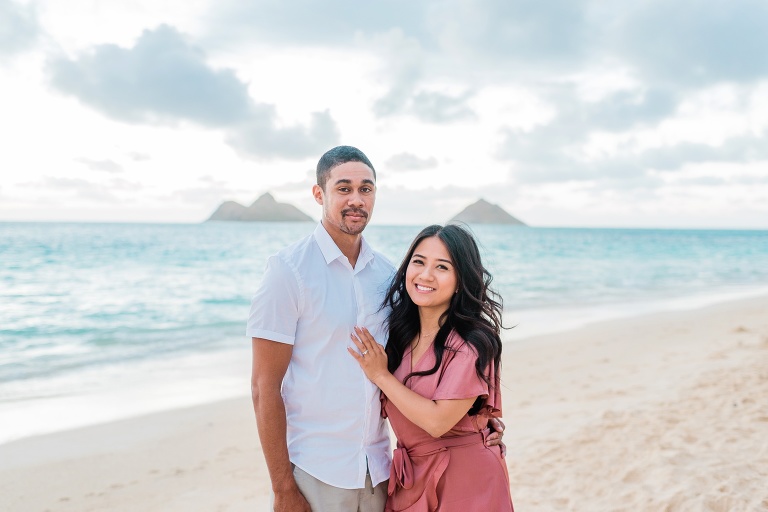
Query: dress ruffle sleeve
[{"x": 459, "y": 378}]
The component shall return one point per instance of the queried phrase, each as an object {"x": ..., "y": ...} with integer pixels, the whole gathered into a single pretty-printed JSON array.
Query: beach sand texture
[{"x": 665, "y": 412}]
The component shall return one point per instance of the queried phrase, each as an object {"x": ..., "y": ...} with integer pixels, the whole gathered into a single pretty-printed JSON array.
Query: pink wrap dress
[{"x": 455, "y": 472}]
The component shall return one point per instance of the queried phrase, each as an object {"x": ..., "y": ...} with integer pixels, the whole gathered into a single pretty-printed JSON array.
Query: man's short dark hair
[{"x": 337, "y": 156}]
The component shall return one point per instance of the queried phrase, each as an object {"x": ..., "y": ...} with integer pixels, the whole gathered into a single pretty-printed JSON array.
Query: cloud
[
  {"x": 210, "y": 192},
  {"x": 550, "y": 155},
  {"x": 426, "y": 106},
  {"x": 398, "y": 203},
  {"x": 84, "y": 189},
  {"x": 679, "y": 45},
  {"x": 505, "y": 33},
  {"x": 164, "y": 79},
  {"x": 312, "y": 23},
  {"x": 404, "y": 63},
  {"x": 101, "y": 165},
  {"x": 736, "y": 149},
  {"x": 550, "y": 152},
  {"x": 433, "y": 107},
  {"x": 19, "y": 28},
  {"x": 161, "y": 78},
  {"x": 259, "y": 137},
  {"x": 139, "y": 157},
  {"x": 410, "y": 162},
  {"x": 691, "y": 44}
]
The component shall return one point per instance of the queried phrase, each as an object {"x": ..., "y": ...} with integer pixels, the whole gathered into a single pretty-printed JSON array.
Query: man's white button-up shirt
[{"x": 311, "y": 297}]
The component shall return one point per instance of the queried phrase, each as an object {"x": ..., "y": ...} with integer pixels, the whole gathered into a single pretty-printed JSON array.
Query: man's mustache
[{"x": 355, "y": 211}]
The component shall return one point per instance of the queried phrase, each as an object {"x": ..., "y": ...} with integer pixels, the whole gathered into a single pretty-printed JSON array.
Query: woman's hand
[{"x": 369, "y": 354}]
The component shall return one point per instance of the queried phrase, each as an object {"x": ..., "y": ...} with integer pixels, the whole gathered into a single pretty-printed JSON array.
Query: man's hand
[
  {"x": 494, "y": 438},
  {"x": 291, "y": 501}
]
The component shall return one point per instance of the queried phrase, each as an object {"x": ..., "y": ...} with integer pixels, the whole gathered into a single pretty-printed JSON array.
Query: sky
[{"x": 565, "y": 113}]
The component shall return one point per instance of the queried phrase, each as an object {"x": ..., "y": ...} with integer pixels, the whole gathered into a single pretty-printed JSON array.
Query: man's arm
[
  {"x": 270, "y": 362},
  {"x": 497, "y": 431}
]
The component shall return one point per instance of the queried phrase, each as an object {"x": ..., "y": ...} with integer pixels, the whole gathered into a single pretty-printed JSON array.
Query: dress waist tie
[{"x": 401, "y": 473}]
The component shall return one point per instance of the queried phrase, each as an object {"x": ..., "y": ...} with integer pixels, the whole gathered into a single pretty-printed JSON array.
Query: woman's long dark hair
[{"x": 474, "y": 311}]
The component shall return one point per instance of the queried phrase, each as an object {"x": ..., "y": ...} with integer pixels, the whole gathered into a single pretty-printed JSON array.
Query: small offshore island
[
  {"x": 264, "y": 209},
  {"x": 483, "y": 212},
  {"x": 267, "y": 209}
]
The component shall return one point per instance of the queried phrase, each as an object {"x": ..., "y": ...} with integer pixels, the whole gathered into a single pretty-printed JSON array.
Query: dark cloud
[
  {"x": 545, "y": 156},
  {"x": 259, "y": 137},
  {"x": 101, "y": 165},
  {"x": 621, "y": 110},
  {"x": 404, "y": 65},
  {"x": 19, "y": 28},
  {"x": 545, "y": 153},
  {"x": 691, "y": 43},
  {"x": 511, "y": 30},
  {"x": 506, "y": 33},
  {"x": 163, "y": 78},
  {"x": 429, "y": 107},
  {"x": 312, "y": 23},
  {"x": 737, "y": 149},
  {"x": 410, "y": 162},
  {"x": 684, "y": 43},
  {"x": 432, "y": 107},
  {"x": 674, "y": 46}
]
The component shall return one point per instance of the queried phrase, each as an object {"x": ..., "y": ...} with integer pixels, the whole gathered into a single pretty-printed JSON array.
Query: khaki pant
[{"x": 327, "y": 498}]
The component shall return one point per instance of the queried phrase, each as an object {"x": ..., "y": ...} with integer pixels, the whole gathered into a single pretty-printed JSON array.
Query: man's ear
[{"x": 318, "y": 193}]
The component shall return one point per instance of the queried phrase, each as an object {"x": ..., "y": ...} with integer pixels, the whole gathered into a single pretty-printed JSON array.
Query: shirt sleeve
[{"x": 276, "y": 305}]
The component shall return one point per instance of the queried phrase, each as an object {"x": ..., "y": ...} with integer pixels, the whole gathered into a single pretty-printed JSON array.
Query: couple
[{"x": 323, "y": 382}]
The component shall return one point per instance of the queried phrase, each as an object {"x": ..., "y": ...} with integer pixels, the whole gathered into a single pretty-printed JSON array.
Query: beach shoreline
[
  {"x": 174, "y": 381},
  {"x": 654, "y": 412}
]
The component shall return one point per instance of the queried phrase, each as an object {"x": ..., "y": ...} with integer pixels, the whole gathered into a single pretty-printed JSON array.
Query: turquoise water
[{"x": 91, "y": 299}]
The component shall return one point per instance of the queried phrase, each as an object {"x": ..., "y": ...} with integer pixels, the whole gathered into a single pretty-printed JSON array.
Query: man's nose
[{"x": 355, "y": 199}]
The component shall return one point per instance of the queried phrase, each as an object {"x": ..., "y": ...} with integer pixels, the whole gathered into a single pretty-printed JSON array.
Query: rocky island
[
  {"x": 483, "y": 212},
  {"x": 264, "y": 209}
]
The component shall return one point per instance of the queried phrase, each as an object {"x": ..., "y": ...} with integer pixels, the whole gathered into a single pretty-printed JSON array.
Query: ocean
[{"x": 105, "y": 321}]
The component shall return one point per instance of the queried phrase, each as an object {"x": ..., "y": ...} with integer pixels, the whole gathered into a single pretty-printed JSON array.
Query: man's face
[{"x": 348, "y": 198}]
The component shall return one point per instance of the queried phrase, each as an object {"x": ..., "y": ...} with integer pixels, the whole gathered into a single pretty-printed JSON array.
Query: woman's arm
[{"x": 436, "y": 417}]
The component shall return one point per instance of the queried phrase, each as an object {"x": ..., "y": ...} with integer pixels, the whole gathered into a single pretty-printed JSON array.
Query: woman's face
[{"x": 430, "y": 278}]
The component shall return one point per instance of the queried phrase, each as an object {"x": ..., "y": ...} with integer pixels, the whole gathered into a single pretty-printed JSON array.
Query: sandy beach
[{"x": 663, "y": 412}]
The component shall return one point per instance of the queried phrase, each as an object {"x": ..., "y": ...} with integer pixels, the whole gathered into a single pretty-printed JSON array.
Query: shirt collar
[{"x": 332, "y": 252}]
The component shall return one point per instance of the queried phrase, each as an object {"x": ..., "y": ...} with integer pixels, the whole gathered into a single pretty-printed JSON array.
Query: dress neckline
[{"x": 417, "y": 363}]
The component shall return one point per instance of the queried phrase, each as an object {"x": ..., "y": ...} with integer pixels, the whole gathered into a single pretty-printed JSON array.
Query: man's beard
[{"x": 356, "y": 228}]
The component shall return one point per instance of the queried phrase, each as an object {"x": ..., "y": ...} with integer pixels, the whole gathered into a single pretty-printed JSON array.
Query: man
[
  {"x": 318, "y": 416},
  {"x": 324, "y": 441}
]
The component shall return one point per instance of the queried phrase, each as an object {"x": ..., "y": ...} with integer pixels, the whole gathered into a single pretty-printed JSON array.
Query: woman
[{"x": 439, "y": 377}]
